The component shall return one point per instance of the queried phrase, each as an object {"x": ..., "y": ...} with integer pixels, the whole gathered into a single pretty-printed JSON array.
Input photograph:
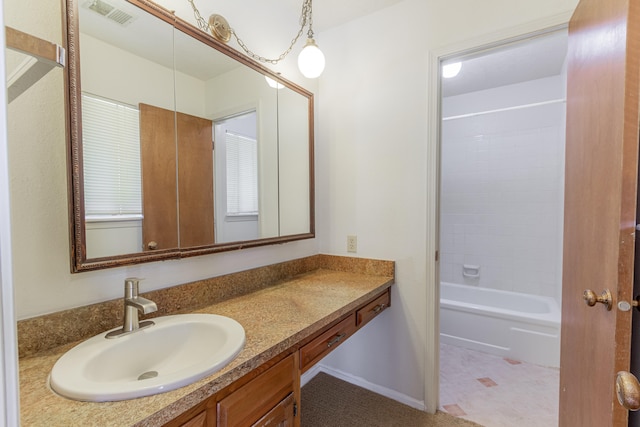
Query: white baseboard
[
  {"x": 360, "y": 382},
  {"x": 307, "y": 376}
]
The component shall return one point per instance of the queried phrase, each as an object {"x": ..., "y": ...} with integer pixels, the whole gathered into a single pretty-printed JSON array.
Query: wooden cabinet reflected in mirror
[{"x": 178, "y": 146}]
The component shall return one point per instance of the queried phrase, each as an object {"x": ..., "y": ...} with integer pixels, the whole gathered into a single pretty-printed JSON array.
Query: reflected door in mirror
[
  {"x": 159, "y": 186},
  {"x": 190, "y": 190},
  {"x": 195, "y": 180}
]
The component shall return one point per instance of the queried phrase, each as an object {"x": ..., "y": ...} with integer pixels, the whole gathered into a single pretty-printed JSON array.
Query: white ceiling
[
  {"x": 146, "y": 36},
  {"x": 530, "y": 59},
  {"x": 326, "y": 13},
  {"x": 331, "y": 13}
]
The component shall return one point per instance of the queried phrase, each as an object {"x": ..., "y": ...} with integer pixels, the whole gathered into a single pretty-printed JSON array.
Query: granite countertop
[{"x": 274, "y": 318}]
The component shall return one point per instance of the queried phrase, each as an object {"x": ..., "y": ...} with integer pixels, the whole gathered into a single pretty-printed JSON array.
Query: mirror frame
[{"x": 75, "y": 178}]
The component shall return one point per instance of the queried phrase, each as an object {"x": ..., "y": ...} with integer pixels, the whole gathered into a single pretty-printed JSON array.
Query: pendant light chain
[{"x": 306, "y": 18}]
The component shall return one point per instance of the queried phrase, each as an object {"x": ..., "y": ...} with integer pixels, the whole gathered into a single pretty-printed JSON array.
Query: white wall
[
  {"x": 233, "y": 93},
  {"x": 38, "y": 178},
  {"x": 293, "y": 194},
  {"x": 9, "y": 396},
  {"x": 113, "y": 73},
  {"x": 502, "y": 180},
  {"x": 375, "y": 160}
]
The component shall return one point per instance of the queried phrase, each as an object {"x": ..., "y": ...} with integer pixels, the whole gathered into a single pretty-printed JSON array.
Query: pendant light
[{"x": 311, "y": 61}]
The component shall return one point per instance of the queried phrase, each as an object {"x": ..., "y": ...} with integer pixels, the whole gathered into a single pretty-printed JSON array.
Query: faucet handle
[{"x": 131, "y": 286}]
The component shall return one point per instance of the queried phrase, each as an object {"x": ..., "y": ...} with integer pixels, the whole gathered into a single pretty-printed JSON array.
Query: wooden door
[
  {"x": 195, "y": 180},
  {"x": 159, "y": 191},
  {"x": 177, "y": 203},
  {"x": 600, "y": 208}
]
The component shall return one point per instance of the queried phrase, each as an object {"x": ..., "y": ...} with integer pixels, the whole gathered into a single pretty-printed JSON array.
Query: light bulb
[
  {"x": 451, "y": 70},
  {"x": 272, "y": 83},
  {"x": 311, "y": 60}
]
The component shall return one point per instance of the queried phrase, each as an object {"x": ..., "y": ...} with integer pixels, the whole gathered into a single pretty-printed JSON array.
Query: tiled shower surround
[{"x": 502, "y": 187}]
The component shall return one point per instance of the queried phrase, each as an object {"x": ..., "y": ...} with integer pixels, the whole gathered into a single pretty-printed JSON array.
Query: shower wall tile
[{"x": 502, "y": 192}]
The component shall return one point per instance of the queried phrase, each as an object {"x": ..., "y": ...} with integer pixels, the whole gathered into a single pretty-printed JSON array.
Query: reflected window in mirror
[
  {"x": 182, "y": 81},
  {"x": 237, "y": 190},
  {"x": 112, "y": 182}
]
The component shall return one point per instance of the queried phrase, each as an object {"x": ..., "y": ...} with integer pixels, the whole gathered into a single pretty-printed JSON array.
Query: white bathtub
[{"x": 518, "y": 326}]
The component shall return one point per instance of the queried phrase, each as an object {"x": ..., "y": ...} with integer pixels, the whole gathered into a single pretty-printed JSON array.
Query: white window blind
[
  {"x": 111, "y": 155},
  {"x": 242, "y": 175}
]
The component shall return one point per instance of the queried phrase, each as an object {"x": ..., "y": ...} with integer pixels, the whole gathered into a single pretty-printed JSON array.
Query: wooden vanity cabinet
[
  {"x": 372, "y": 309},
  {"x": 267, "y": 400},
  {"x": 283, "y": 415},
  {"x": 326, "y": 342},
  {"x": 202, "y": 415},
  {"x": 269, "y": 396},
  {"x": 199, "y": 420}
]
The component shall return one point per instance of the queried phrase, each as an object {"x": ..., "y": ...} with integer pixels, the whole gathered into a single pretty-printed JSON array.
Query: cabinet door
[
  {"x": 280, "y": 416},
  {"x": 199, "y": 420},
  {"x": 252, "y": 401}
]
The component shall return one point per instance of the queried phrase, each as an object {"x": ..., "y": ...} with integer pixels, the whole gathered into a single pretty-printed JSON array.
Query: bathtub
[{"x": 517, "y": 326}]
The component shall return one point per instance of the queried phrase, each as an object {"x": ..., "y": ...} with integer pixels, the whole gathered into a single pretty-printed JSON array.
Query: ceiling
[
  {"x": 326, "y": 13},
  {"x": 529, "y": 59},
  {"x": 150, "y": 36},
  {"x": 331, "y": 13},
  {"x": 534, "y": 58}
]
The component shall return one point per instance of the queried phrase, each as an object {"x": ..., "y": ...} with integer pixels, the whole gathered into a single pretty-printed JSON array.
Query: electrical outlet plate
[{"x": 352, "y": 244}]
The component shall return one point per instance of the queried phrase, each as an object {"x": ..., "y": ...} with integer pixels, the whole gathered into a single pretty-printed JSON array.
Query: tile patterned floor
[{"x": 495, "y": 391}]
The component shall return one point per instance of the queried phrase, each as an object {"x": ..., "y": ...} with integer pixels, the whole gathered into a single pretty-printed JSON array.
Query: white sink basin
[{"x": 176, "y": 351}]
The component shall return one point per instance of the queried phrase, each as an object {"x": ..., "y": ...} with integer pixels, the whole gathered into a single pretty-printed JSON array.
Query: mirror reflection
[
  {"x": 184, "y": 149},
  {"x": 120, "y": 81}
]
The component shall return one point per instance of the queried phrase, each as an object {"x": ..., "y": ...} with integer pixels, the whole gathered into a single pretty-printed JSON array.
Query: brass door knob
[
  {"x": 628, "y": 390},
  {"x": 152, "y": 245},
  {"x": 592, "y": 299}
]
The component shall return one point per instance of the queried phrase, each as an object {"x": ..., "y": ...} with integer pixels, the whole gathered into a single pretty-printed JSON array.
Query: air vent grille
[
  {"x": 101, "y": 7},
  {"x": 121, "y": 17},
  {"x": 110, "y": 12}
]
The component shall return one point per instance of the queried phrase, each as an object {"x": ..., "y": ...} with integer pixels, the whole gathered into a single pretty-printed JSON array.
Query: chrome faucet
[{"x": 133, "y": 305}]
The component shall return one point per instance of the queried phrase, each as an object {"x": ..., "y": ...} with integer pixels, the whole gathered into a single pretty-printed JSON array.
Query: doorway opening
[
  {"x": 236, "y": 178},
  {"x": 501, "y": 208}
]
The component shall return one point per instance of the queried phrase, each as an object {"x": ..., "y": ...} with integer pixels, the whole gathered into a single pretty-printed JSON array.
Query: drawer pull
[
  {"x": 336, "y": 339},
  {"x": 378, "y": 308}
]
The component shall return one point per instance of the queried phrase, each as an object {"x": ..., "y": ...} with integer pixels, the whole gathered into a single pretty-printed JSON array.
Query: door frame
[
  {"x": 9, "y": 392},
  {"x": 487, "y": 41}
]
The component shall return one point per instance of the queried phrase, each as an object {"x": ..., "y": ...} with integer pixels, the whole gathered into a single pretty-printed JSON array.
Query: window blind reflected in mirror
[{"x": 111, "y": 147}]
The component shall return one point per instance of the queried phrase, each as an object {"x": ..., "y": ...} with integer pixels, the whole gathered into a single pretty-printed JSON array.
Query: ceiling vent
[{"x": 110, "y": 12}]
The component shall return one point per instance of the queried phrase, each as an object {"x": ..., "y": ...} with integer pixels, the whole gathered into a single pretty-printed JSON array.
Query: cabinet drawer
[
  {"x": 323, "y": 344},
  {"x": 372, "y": 309},
  {"x": 253, "y": 400}
]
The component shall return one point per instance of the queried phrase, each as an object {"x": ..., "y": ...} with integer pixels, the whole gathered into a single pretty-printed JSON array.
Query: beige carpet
[{"x": 330, "y": 402}]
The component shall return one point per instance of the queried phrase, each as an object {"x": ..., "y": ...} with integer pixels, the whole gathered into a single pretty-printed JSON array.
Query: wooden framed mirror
[{"x": 177, "y": 144}]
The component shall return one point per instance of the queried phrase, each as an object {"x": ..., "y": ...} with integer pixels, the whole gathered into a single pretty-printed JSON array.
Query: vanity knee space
[{"x": 270, "y": 395}]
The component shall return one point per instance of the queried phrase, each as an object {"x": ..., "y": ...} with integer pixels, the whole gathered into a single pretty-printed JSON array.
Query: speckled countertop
[{"x": 275, "y": 318}]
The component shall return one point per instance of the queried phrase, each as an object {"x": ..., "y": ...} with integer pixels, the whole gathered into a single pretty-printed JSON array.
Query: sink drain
[{"x": 147, "y": 375}]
